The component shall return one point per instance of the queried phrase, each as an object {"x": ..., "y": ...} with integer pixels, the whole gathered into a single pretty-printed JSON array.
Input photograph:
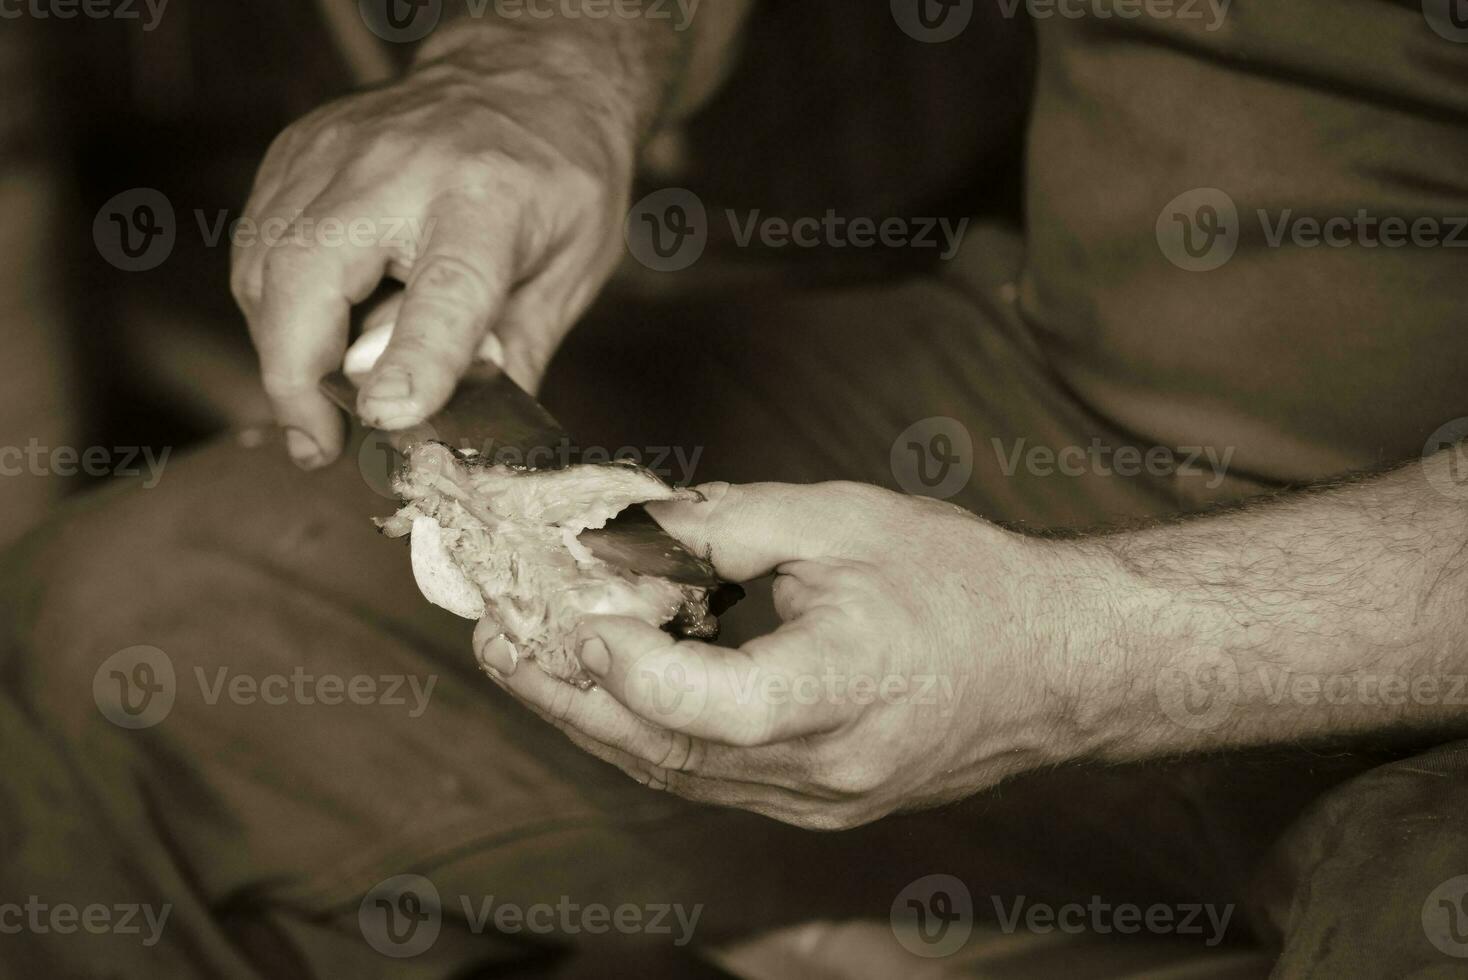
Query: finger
[
  {"x": 300, "y": 332},
  {"x": 748, "y": 530},
  {"x": 539, "y": 315},
  {"x": 597, "y": 715},
  {"x": 768, "y": 691},
  {"x": 277, "y": 196},
  {"x": 457, "y": 288},
  {"x": 764, "y": 800},
  {"x": 493, "y": 648}
]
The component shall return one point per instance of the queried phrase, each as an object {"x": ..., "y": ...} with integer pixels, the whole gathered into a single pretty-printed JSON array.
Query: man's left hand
[{"x": 918, "y": 661}]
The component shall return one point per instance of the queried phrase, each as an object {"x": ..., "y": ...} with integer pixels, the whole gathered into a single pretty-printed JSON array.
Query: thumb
[{"x": 749, "y": 530}]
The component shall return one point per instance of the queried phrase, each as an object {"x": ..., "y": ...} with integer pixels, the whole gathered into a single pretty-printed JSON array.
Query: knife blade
[{"x": 493, "y": 416}]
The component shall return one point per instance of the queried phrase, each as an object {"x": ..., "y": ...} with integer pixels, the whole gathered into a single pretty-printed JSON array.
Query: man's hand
[
  {"x": 926, "y": 654},
  {"x": 909, "y": 670},
  {"x": 491, "y": 180}
]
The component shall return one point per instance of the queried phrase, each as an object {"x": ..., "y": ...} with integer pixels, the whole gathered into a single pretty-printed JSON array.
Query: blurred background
[{"x": 831, "y": 106}]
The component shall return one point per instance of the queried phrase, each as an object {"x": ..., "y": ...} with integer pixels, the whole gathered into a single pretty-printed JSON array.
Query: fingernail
[
  {"x": 391, "y": 385},
  {"x": 303, "y": 449},
  {"x": 498, "y": 656},
  {"x": 594, "y": 656}
]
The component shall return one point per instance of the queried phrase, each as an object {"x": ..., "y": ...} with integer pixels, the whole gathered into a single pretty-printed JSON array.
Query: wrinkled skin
[
  {"x": 929, "y": 604},
  {"x": 494, "y": 195}
]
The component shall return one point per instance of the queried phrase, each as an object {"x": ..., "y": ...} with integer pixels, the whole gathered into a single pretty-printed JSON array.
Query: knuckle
[
  {"x": 243, "y": 285},
  {"x": 442, "y": 274},
  {"x": 286, "y": 261},
  {"x": 680, "y": 753}
]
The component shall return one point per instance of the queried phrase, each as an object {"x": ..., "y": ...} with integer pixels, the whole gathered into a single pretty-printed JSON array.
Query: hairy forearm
[
  {"x": 1335, "y": 612},
  {"x": 644, "y": 64}
]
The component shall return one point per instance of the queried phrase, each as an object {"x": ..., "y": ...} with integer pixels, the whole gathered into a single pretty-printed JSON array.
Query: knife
[{"x": 493, "y": 416}]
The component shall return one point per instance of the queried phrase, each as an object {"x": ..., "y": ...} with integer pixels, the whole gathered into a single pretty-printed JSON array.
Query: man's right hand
[{"x": 493, "y": 183}]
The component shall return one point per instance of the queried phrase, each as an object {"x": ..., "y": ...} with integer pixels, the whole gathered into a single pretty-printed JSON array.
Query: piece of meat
[{"x": 498, "y": 541}]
